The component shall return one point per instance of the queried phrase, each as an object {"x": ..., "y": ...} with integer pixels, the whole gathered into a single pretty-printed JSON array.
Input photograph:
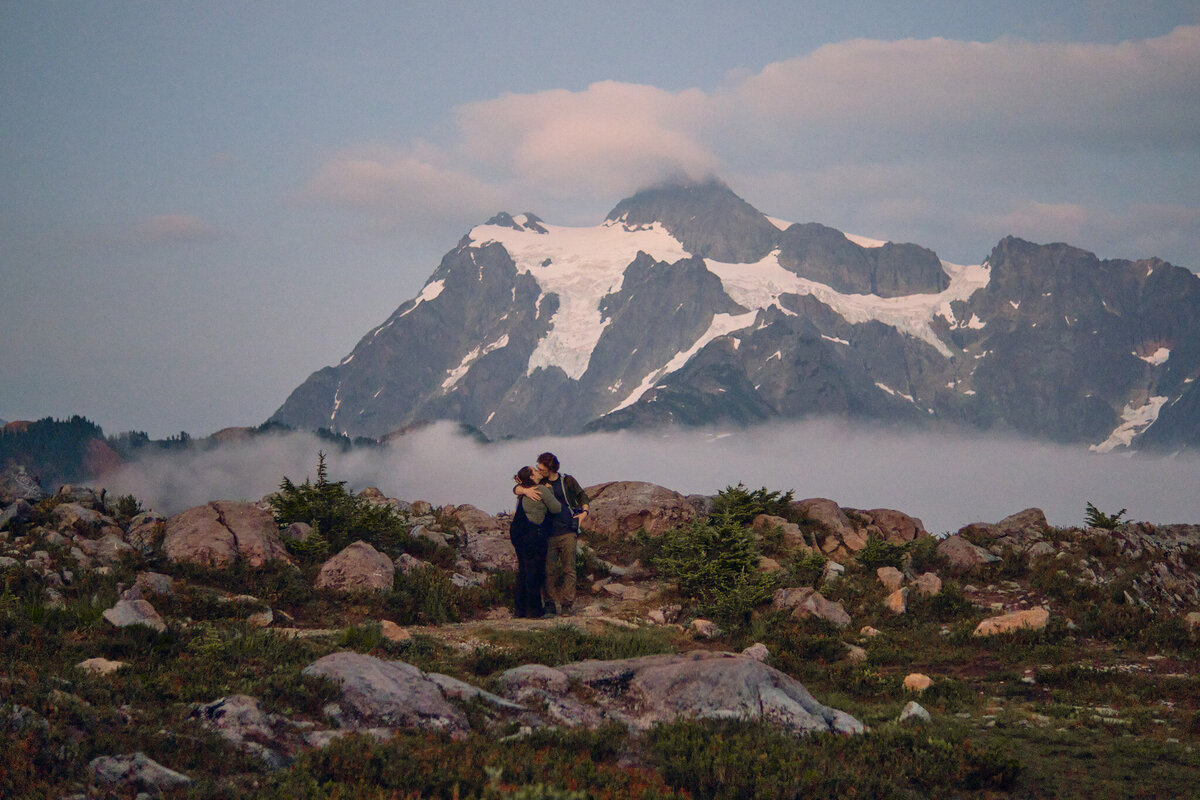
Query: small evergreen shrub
[
  {"x": 1095, "y": 518},
  {"x": 743, "y": 505}
]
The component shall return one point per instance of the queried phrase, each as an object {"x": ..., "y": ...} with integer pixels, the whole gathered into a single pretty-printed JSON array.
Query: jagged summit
[{"x": 707, "y": 217}]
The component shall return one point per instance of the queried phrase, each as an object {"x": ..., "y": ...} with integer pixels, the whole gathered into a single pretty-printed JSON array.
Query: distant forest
[{"x": 73, "y": 450}]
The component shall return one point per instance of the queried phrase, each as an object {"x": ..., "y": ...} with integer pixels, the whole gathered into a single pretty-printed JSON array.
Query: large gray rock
[
  {"x": 17, "y": 483},
  {"x": 136, "y": 770},
  {"x": 806, "y": 601},
  {"x": 388, "y": 694},
  {"x": 217, "y": 534},
  {"x": 473, "y": 520},
  {"x": 621, "y": 508},
  {"x": 240, "y": 720},
  {"x": 135, "y": 612},
  {"x": 358, "y": 568},
  {"x": 489, "y": 552},
  {"x": 962, "y": 555},
  {"x": 704, "y": 685}
]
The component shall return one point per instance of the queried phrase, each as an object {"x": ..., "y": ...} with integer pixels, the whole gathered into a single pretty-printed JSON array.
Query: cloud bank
[
  {"x": 946, "y": 481},
  {"x": 959, "y": 141}
]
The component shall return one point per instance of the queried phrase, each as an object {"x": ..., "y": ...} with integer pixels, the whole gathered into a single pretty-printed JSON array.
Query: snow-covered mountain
[{"x": 688, "y": 306}]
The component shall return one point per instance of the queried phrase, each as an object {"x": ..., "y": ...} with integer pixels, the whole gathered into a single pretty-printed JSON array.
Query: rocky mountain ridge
[{"x": 689, "y": 306}]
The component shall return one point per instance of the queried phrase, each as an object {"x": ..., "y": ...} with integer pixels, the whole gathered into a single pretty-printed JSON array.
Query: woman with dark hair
[{"x": 536, "y": 508}]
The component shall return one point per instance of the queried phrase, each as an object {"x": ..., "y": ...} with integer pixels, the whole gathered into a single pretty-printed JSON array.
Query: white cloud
[
  {"x": 903, "y": 139},
  {"x": 946, "y": 481}
]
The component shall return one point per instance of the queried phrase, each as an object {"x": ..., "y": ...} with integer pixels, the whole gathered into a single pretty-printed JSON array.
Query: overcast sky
[{"x": 202, "y": 203}]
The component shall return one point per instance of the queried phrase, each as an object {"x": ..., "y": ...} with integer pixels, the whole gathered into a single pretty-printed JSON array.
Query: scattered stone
[
  {"x": 704, "y": 629},
  {"x": 1033, "y": 619},
  {"x": 297, "y": 532},
  {"x": 136, "y": 770},
  {"x": 100, "y": 666},
  {"x": 868, "y": 631},
  {"x": 393, "y": 632},
  {"x": 19, "y": 512},
  {"x": 856, "y": 654},
  {"x": 135, "y": 612},
  {"x": 657, "y": 616},
  {"x": 768, "y": 564},
  {"x": 913, "y": 711},
  {"x": 928, "y": 584},
  {"x": 357, "y": 568},
  {"x": 806, "y": 601},
  {"x": 261, "y": 619},
  {"x": 1192, "y": 620},
  {"x": 917, "y": 682},
  {"x": 516, "y": 681},
  {"x": 832, "y": 571},
  {"x": 758, "y": 651},
  {"x": 891, "y": 578},
  {"x": 623, "y": 592},
  {"x": 239, "y": 719},
  {"x": 897, "y": 601}
]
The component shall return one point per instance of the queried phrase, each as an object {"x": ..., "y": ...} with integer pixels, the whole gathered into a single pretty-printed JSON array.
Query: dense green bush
[
  {"x": 337, "y": 516},
  {"x": 715, "y": 563},
  {"x": 743, "y": 505}
]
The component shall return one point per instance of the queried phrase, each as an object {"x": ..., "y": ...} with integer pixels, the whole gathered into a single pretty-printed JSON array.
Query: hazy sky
[{"x": 202, "y": 203}]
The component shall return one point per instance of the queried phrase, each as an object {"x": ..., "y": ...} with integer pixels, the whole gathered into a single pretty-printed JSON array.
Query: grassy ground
[{"x": 1105, "y": 702}]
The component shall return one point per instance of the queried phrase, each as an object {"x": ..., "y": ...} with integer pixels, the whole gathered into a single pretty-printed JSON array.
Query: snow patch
[
  {"x": 1157, "y": 358},
  {"x": 835, "y": 340},
  {"x": 1133, "y": 421},
  {"x": 894, "y": 393},
  {"x": 431, "y": 291},
  {"x": 761, "y": 284},
  {"x": 585, "y": 265},
  {"x": 456, "y": 374},
  {"x": 863, "y": 241}
]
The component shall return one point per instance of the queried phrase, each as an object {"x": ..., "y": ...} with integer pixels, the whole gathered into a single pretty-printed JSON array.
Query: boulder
[
  {"x": 792, "y": 534},
  {"x": 136, "y": 770},
  {"x": 146, "y": 529},
  {"x": 962, "y": 555},
  {"x": 19, "y": 512},
  {"x": 702, "y": 685},
  {"x": 704, "y": 628},
  {"x": 135, "y": 612},
  {"x": 73, "y": 518},
  {"x": 891, "y": 578},
  {"x": 407, "y": 563},
  {"x": 1031, "y": 522},
  {"x": 106, "y": 551},
  {"x": 219, "y": 533},
  {"x": 388, "y": 694},
  {"x": 808, "y": 602},
  {"x": 240, "y": 720},
  {"x": 758, "y": 651},
  {"x": 928, "y": 584},
  {"x": 917, "y": 682},
  {"x": 357, "y": 568},
  {"x": 622, "y": 508},
  {"x": 913, "y": 712},
  {"x": 473, "y": 520},
  {"x": 393, "y": 632},
  {"x": 17, "y": 483},
  {"x": 888, "y": 524},
  {"x": 1032, "y": 619},
  {"x": 838, "y": 536},
  {"x": 490, "y": 552},
  {"x": 897, "y": 601},
  {"x": 100, "y": 666}
]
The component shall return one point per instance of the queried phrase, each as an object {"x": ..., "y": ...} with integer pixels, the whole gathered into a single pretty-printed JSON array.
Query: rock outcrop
[
  {"x": 357, "y": 568},
  {"x": 622, "y": 508},
  {"x": 217, "y": 534}
]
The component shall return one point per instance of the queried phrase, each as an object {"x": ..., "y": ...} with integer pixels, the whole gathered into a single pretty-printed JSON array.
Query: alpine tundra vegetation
[{"x": 326, "y": 643}]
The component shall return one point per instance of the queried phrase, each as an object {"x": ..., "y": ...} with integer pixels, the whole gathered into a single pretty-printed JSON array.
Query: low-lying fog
[{"x": 946, "y": 481}]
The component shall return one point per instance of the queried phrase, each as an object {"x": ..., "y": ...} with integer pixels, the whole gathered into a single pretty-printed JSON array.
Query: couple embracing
[{"x": 544, "y": 530}]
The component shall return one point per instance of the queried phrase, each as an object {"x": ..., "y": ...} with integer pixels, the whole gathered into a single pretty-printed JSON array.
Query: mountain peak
[{"x": 706, "y": 216}]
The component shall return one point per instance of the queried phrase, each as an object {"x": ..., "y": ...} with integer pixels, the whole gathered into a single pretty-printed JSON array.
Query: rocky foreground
[{"x": 164, "y": 567}]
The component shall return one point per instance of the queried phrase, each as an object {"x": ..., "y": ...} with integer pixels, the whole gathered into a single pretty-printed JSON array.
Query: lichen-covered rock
[
  {"x": 1032, "y": 619},
  {"x": 217, "y": 534},
  {"x": 806, "y": 601},
  {"x": 135, "y": 612},
  {"x": 391, "y": 694},
  {"x": 136, "y": 770},
  {"x": 357, "y": 568},
  {"x": 622, "y": 508},
  {"x": 963, "y": 556}
]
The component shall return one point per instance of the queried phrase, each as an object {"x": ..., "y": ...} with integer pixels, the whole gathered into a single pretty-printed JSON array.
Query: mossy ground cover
[{"x": 1106, "y": 706}]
